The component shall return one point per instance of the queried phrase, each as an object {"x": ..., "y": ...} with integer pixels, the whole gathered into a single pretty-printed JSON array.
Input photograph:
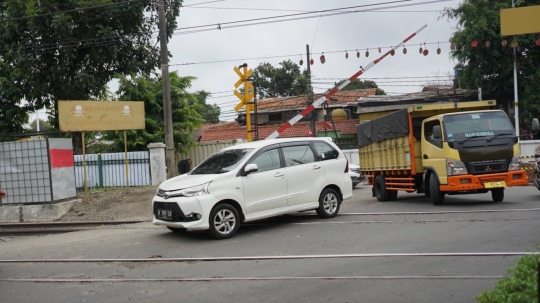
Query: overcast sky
[
  {"x": 373, "y": 29},
  {"x": 331, "y": 34}
]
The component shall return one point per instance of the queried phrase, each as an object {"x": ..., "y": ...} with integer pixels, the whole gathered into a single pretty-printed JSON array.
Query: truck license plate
[
  {"x": 164, "y": 214},
  {"x": 495, "y": 184}
]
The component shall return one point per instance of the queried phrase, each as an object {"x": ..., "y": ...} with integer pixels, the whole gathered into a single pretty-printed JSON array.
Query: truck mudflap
[{"x": 475, "y": 182}]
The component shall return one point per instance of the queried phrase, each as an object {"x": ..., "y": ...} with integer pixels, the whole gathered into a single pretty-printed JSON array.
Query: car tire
[
  {"x": 329, "y": 203},
  {"x": 497, "y": 194},
  {"x": 380, "y": 189},
  {"x": 437, "y": 197},
  {"x": 176, "y": 230},
  {"x": 224, "y": 221},
  {"x": 392, "y": 196}
]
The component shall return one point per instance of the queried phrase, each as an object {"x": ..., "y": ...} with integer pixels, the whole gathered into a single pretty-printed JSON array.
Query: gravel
[{"x": 113, "y": 205}]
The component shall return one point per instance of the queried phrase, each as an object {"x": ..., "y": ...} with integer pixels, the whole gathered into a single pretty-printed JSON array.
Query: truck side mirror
[
  {"x": 437, "y": 134},
  {"x": 535, "y": 125}
]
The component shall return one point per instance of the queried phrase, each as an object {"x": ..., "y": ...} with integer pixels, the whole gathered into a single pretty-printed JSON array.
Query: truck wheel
[
  {"x": 437, "y": 197},
  {"x": 497, "y": 194},
  {"x": 380, "y": 189},
  {"x": 392, "y": 195}
]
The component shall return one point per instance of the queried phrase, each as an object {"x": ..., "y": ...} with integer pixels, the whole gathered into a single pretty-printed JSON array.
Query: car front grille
[
  {"x": 485, "y": 168},
  {"x": 177, "y": 214}
]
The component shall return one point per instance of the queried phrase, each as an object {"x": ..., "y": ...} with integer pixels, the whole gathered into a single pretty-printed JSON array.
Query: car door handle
[
  {"x": 315, "y": 167},
  {"x": 279, "y": 175}
]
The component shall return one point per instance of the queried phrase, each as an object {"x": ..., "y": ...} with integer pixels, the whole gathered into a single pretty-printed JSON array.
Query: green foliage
[
  {"x": 149, "y": 89},
  {"x": 519, "y": 286},
  {"x": 361, "y": 84},
  {"x": 283, "y": 81},
  {"x": 209, "y": 112},
  {"x": 492, "y": 67},
  {"x": 72, "y": 55}
]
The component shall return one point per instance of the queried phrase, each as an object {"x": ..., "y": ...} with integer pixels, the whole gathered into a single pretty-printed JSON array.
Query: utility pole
[
  {"x": 310, "y": 94},
  {"x": 167, "y": 110},
  {"x": 516, "y": 111}
]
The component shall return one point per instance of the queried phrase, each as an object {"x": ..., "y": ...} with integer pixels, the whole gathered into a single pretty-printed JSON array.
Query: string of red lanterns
[{"x": 422, "y": 50}]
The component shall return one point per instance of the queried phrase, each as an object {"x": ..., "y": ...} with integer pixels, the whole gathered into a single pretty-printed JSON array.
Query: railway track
[{"x": 31, "y": 229}]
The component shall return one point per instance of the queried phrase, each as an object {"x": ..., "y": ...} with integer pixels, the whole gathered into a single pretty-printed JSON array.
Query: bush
[{"x": 520, "y": 285}]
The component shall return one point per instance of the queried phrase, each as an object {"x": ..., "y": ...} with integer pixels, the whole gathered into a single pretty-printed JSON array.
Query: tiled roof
[
  {"x": 300, "y": 129},
  {"x": 300, "y": 102}
]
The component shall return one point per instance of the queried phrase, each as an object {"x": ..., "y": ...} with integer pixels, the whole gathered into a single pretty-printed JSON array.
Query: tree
[
  {"x": 149, "y": 89},
  {"x": 209, "y": 112},
  {"x": 361, "y": 84},
  {"x": 490, "y": 66},
  {"x": 286, "y": 80},
  {"x": 68, "y": 50}
]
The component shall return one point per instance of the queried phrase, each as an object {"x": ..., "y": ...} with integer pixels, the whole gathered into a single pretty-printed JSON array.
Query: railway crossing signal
[{"x": 245, "y": 99}]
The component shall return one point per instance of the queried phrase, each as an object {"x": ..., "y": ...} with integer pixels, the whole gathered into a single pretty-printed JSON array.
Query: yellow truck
[{"x": 441, "y": 149}]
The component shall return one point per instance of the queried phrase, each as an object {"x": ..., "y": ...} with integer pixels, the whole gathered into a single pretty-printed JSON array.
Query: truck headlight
[
  {"x": 455, "y": 167},
  {"x": 515, "y": 164}
]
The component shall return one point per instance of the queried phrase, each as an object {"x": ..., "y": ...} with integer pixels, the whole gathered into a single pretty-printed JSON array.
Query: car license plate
[
  {"x": 164, "y": 214},
  {"x": 495, "y": 184}
]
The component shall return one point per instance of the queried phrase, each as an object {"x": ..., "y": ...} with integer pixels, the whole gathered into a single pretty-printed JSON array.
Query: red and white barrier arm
[{"x": 321, "y": 100}]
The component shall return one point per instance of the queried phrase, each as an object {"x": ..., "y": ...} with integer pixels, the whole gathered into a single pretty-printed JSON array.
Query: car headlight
[
  {"x": 515, "y": 164},
  {"x": 198, "y": 190},
  {"x": 455, "y": 167}
]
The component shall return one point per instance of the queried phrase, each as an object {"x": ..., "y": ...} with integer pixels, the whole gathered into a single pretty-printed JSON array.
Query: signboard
[
  {"x": 100, "y": 115},
  {"x": 521, "y": 20}
]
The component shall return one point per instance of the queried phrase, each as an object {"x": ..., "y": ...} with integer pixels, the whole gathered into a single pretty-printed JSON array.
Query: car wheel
[
  {"x": 437, "y": 197},
  {"x": 497, "y": 194},
  {"x": 176, "y": 230},
  {"x": 329, "y": 203},
  {"x": 380, "y": 188},
  {"x": 224, "y": 221}
]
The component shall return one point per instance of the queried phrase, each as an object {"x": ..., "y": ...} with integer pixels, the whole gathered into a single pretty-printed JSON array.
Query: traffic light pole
[{"x": 167, "y": 109}]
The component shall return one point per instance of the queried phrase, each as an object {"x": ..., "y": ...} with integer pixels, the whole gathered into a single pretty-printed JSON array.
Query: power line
[
  {"x": 194, "y": 4},
  {"x": 71, "y": 10},
  {"x": 304, "y": 11}
]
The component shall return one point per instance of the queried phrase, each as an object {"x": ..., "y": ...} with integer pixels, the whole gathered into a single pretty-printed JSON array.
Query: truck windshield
[
  {"x": 222, "y": 162},
  {"x": 477, "y": 125}
]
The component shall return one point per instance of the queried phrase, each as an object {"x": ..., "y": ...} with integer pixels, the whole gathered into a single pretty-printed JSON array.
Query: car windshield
[
  {"x": 222, "y": 162},
  {"x": 479, "y": 124}
]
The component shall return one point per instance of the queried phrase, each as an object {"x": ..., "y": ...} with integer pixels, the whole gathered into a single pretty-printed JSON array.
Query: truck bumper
[{"x": 476, "y": 182}]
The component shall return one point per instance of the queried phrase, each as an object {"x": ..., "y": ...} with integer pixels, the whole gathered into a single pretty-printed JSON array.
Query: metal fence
[{"x": 109, "y": 170}]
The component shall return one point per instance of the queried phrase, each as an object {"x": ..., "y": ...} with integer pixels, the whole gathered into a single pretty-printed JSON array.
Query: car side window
[
  {"x": 428, "y": 133},
  {"x": 268, "y": 160},
  {"x": 298, "y": 155},
  {"x": 325, "y": 151}
]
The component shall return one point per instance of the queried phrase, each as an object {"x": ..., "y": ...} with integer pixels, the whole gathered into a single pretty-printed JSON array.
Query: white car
[
  {"x": 355, "y": 174},
  {"x": 254, "y": 181}
]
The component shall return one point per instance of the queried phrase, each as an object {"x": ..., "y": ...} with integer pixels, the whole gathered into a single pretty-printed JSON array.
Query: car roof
[{"x": 263, "y": 143}]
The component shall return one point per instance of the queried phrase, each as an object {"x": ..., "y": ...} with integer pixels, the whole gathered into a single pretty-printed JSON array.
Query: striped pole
[{"x": 322, "y": 99}]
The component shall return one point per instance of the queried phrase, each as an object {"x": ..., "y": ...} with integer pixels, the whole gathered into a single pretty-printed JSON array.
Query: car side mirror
[
  {"x": 250, "y": 168},
  {"x": 437, "y": 134},
  {"x": 535, "y": 125}
]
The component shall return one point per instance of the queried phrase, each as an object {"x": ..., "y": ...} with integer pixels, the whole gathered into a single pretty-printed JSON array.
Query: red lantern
[
  {"x": 379, "y": 49},
  {"x": 537, "y": 42},
  {"x": 426, "y": 52},
  {"x": 404, "y": 50},
  {"x": 420, "y": 50},
  {"x": 474, "y": 43},
  {"x": 357, "y": 54},
  {"x": 323, "y": 59},
  {"x": 346, "y": 55},
  {"x": 311, "y": 61},
  {"x": 504, "y": 43},
  {"x": 367, "y": 53},
  {"x": 452, "y": 46},
  {"x": 488, "y": 43},
  {"x": 301, "y": 62},
  {"x": 438, "y": 51},
  {"x": 392, "y": 52}
]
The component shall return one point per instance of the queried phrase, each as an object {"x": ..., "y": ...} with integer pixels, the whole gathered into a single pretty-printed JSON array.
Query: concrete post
[{"x": 158, "y": 168}]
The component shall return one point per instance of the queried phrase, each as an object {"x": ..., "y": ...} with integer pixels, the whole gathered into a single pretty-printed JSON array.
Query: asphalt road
[{"x": 465, "y": 224}]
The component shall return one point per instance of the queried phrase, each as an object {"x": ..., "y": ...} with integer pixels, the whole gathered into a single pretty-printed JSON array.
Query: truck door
[{"x": 433, "y": 155}]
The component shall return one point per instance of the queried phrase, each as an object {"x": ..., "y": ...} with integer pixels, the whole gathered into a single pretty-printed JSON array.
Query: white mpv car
[{"x": 254, "y": 181}]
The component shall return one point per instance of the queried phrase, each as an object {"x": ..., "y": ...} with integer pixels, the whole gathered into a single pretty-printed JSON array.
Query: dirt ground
[{"x": 113, "y": 204}]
